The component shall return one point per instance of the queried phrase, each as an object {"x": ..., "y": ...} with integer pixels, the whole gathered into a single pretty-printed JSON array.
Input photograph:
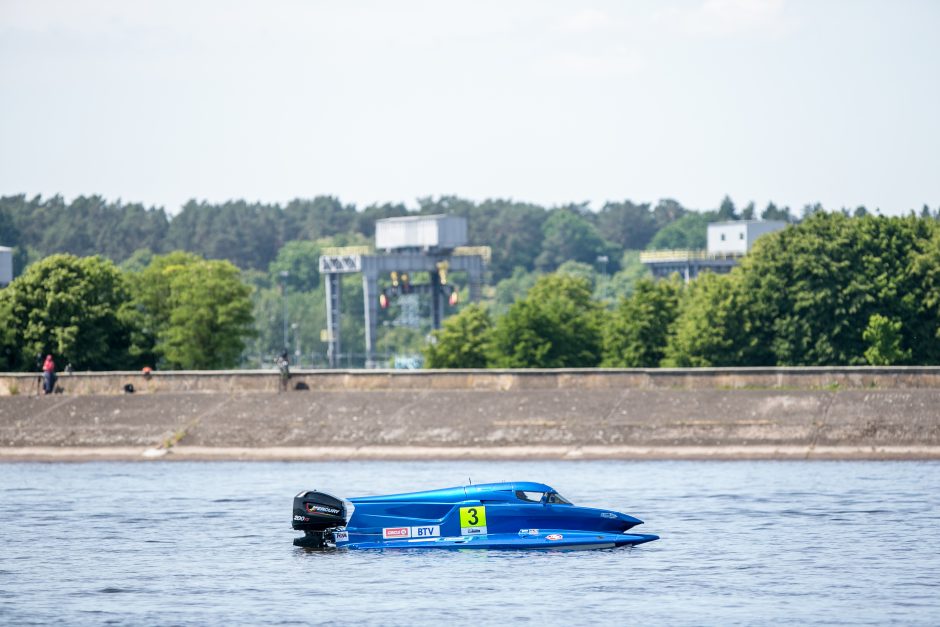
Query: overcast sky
[{"x": 549, "y": 102}]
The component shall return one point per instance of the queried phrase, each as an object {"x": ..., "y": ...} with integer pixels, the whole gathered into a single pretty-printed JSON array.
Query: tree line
[
  {"x": 831, "y": 290},
  {"x": 250, "y": 235},
  {"x": 274, "y": 251},
  {"x": 179, "y": 311}
]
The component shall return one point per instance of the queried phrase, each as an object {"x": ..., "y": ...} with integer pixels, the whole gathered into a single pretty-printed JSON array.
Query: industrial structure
[
  {"x": 435, "y": 244},
  {"x": 6, "y": 266},
  {"x": 727, "y": 242}
]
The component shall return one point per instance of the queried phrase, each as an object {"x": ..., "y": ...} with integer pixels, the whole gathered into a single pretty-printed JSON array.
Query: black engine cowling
[
  {"x": 315, "y": 513},
  {"x": 318, "y": 511}
]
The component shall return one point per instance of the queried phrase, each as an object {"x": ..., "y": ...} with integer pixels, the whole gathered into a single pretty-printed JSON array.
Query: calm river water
[{"x": 210, "y": 543}]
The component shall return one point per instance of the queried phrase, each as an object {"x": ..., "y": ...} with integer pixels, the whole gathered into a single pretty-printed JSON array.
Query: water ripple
[{"x": 207, "y": 543}]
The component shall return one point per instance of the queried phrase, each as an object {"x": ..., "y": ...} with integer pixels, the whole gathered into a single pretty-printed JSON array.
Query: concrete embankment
[{"x": 848, "y": 413}]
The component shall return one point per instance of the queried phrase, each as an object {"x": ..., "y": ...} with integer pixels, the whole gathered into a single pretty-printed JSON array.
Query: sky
[{"x": 795, "y": 102}]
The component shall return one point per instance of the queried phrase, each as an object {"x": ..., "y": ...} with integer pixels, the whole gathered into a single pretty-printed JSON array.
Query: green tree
[
  {"x": 300, "y": 259},
  {"x": 772, "y": 212},
  {"x": 138, "y": 260},
  {"x": 622, "y": 284},
  {"x": 9, "y": 234},
  {"x": 727, "y": 210},
  {"x": 86, "y": 226},
  {"x": 400, "y": 342},
  {"x": 570, "y": 237},
  {"x": 922, "y": 329},
  {"x": 511, "y": 289},
  {"x": 77, "y": 308},
  {"x": 10, "y": 358},
  {"x": 306, "y": 317},
  {"x": 636, "y": 334},
  {"x": 248, "y": 235},
  {"x": 627, "y": 224},
  {"x": 811, "y": 209},
  {"x": 579, "y": 269},
  {"x": 462, "y": 340},
  {"x": 513, "y": 230},
  {"x": 809, "y": 291},
  {"x": 323, "y": 216},
  {"x": 883, "y": 336},
  {"x": 190, "y": 313},
  {"x": 667, "y": 211},
  {"x": 710, "y": 329},
  {"x": 556, "y": 325},
  {"x": 151, "y": 290},
  {"x": 365, "y": 219},
  {"x": 689, "y": 231},
  {"x": 210, "y": 317}
]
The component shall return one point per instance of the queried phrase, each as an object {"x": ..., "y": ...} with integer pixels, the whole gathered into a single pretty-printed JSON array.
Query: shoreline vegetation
[{"x": 235, "y": 285}]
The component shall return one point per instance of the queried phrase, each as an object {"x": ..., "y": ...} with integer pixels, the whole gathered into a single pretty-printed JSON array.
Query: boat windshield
[{"x": 541, "y": 497}]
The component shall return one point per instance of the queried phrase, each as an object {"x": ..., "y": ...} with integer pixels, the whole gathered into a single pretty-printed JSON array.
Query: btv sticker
[{"x": 429, "y": 531}]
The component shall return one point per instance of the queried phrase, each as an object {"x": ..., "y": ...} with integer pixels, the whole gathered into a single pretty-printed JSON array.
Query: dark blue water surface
[{"x": 210, "y": 543}]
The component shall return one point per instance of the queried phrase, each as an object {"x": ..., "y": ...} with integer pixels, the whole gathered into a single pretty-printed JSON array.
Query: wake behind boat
[{"x": 512, "y": 515}]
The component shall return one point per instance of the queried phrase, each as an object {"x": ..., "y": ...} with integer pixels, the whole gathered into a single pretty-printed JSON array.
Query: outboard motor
[{"x": 317, "y": 514}]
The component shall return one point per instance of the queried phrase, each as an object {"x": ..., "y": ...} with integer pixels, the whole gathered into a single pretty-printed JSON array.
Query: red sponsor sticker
[
  {"x": 396, "y": 532},
  {"x": 554, "y": 536}
]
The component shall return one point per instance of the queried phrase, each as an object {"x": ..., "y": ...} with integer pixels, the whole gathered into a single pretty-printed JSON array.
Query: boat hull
[{"x": 548, "y": 540}]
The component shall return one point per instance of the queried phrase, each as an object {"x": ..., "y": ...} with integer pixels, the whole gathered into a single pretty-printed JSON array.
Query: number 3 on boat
[{"x": 473, "y": 520}]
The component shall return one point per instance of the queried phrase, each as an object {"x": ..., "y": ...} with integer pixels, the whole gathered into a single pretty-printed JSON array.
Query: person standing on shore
[
  {"x": 283, "y": 365},
  {"x": 48, "y": 375}
]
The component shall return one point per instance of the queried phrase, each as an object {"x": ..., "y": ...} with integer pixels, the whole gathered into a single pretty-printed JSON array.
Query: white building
[
  {"x": 727, "y": 242},
  {"x": 6, "y": 266},
  {"x": 737, "y": 237},
  {"x": 425, "y": 233}
]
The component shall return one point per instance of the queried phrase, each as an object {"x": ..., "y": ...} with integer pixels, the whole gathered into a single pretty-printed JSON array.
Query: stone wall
[
  {"x": 829, "y": 378},
  {"x": 549, "y": 422}
]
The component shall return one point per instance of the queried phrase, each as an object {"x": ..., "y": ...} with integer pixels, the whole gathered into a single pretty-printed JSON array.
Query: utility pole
[
  {"x": 284, "y": 274},
  {"x": 603, "y": 259},
  {"x": 297, "y": 352}
]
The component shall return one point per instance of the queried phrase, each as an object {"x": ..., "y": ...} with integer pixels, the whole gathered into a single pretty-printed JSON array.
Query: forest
[
  {"x": 522, "y": 235},
  {"x": 832, "y": 290},
  {"x": 584, "y": 262}
]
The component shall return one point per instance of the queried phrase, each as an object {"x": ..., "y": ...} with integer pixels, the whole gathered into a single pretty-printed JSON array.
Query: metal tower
[{"x": 433, "y": 244}]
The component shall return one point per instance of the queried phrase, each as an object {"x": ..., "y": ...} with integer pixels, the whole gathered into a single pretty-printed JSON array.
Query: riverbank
[
  {"x": 458, "y": 416},
  {"x": 415, "y": 453}
]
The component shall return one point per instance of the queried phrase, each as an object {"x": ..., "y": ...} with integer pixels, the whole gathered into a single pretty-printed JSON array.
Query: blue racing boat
[{"x": 512, "y": 515}]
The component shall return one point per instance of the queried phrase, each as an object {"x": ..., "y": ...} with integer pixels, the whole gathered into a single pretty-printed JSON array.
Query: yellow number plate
[{"x": 473, "y": 516}]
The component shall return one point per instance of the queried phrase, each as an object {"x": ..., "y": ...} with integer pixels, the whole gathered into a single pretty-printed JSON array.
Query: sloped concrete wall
[
  {"x": 112, "y": 383},
  {"x": 561, "y": 421}
]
